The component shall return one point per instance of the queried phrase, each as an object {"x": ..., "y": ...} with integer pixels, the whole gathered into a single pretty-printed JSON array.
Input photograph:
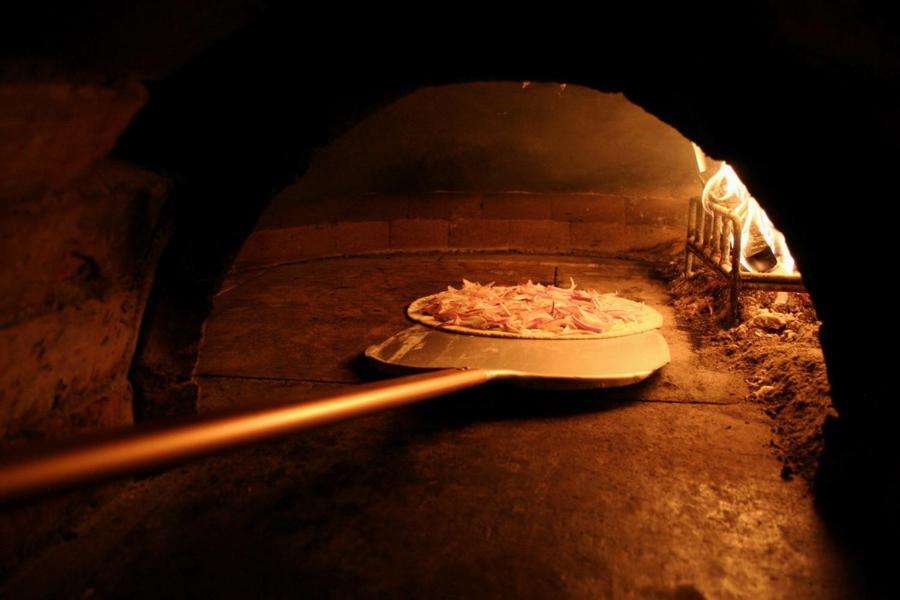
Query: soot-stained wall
[
  {"x": 77, "y": 235},
  {"x": 497, "y": 137},
  {"x": 498, "y": 165}
]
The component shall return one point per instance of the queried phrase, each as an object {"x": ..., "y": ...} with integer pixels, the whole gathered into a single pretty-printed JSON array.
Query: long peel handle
[{"x": 141, "y": 449}]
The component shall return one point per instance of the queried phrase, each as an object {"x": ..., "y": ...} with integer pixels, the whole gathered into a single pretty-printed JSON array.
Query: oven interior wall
[
  {"x": 504, "y": 165},
  {"x": 78, "y": 236}
]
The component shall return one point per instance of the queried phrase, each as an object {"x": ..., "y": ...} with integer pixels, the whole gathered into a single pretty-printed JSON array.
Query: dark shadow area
[{"x": 507, "y": 402}]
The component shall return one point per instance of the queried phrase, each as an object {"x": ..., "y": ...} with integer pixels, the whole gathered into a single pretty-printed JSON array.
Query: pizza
[{"x": 533, "y": 310}]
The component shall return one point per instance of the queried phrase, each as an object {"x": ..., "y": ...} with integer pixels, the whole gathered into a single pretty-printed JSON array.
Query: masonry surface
[{"x": 656, "y": 490}]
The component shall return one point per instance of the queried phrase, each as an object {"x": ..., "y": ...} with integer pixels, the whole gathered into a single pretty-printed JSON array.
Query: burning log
[
  {"x": 763, "y": 247},
  {"x": 730, "y": 232}
]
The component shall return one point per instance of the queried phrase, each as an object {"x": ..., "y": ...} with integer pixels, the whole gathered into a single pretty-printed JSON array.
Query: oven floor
[{"x": 668, "y": 489}]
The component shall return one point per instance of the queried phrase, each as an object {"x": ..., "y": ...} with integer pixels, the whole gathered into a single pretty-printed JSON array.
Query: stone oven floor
[{"x": 663, "y": 490}]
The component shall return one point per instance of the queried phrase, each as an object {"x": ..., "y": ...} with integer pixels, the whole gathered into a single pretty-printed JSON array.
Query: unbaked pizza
[{"x": 533, "y": 310}]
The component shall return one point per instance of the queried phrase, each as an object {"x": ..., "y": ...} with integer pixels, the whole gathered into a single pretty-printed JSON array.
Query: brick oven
[{"x": 212, "y": 212}]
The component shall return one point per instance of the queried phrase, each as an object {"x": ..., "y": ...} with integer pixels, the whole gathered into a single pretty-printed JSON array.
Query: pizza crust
[{"x": 650, "y": 319}]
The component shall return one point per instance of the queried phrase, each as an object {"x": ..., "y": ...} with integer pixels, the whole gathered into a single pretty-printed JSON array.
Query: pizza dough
[{"x": 533, "y": 311}]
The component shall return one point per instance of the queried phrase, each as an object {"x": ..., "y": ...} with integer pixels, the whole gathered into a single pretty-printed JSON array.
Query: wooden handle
[{"x": 142, "y": 449}]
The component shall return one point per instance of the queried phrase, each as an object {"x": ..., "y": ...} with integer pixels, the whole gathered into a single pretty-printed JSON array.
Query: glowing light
[{"x": 763, "y": 247}]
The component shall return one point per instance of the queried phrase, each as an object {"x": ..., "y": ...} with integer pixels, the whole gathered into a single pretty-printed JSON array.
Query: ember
[{"x": 776, "y": 348}]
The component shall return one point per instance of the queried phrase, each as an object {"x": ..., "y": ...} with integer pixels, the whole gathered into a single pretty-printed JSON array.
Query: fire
[{"x": 763, "y": 247}]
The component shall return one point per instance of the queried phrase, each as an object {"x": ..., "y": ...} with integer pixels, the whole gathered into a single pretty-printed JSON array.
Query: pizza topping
[{"x": 532, "y": 309}]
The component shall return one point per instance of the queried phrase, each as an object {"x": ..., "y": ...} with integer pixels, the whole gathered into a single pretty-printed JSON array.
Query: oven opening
[
  {"x": 274, "y": 328},
  {"x": 514, "y": 184}
]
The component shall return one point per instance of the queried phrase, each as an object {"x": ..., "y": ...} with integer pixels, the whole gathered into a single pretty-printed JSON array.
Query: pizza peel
[
  {"x": 566, "y": 364},
  {"x": 452, "y": 361}
]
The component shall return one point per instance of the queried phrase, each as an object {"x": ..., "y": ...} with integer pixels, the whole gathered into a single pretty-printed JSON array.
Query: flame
[
  {"x": 759, "y": 237},
  {"x": 784, "y": 253}
]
